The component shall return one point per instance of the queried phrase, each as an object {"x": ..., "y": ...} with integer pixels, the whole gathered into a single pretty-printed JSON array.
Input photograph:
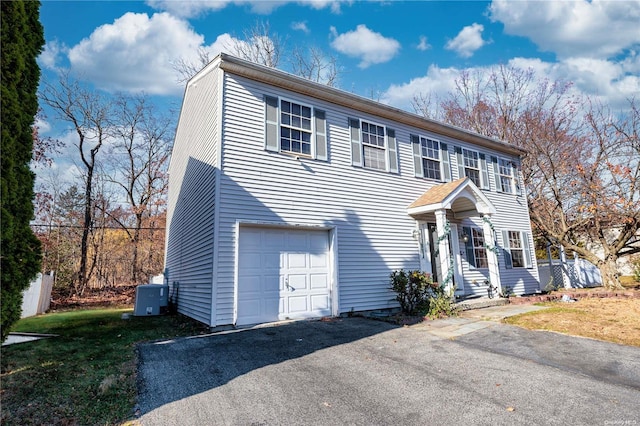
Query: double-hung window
[
  {"x": 295, "y": 128},
  {"x": 505, "y": 176},
  {"x": 430, "y": 150},
  {"x": 517, "y": 253},
  {"x": 373, "y": 146},
  {"x": 471, "y": 163},
  {"x": 430, "y": 158},
  {"x": 475, "y": 248}
]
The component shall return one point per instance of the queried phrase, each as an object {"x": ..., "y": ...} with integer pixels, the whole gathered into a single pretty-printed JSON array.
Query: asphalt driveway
[{"x": 364, "y": 372}]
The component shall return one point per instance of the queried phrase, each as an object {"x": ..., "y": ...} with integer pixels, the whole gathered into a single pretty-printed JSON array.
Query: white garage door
[{"x": 282, "y": 274}]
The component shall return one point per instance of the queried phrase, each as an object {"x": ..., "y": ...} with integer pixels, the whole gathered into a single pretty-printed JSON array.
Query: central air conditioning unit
[{"x": 151, "y": 299}]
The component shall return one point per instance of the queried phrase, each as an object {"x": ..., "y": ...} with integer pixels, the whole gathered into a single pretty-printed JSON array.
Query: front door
[{"x": 434, "y": 256}]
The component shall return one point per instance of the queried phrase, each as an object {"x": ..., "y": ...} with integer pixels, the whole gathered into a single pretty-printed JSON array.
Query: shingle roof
[{"x": 438, "y": 193}]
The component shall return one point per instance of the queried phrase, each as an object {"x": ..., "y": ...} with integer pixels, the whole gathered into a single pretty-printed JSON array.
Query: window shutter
[
  {"x": 468, "y": 246},
  {"x": 460, "y": 161},
  {"x": 356, "y": 144},
  {"x": 508, "y": 263},
  {"x": 516, "y": 178},
  {"x": 321, "y": 135},
  {"x": 417, "y": 155},
  {"x": 446, "y": 168},
  {"x": 524, "y": 236},
  {"x": 392, "y": 150},
  {"x": 496, "y": 172},
  {"x": 484, "y": 172},
  {"x": 271, "y": 124}
]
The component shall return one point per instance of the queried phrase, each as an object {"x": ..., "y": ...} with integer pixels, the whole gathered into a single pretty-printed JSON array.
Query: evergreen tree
[{"x": 22, "y": 41}]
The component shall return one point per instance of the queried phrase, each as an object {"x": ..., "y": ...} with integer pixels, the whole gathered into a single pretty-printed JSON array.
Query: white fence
[
  {"x": 37, "y": 298},
  {"x": 577, "y": 273}
]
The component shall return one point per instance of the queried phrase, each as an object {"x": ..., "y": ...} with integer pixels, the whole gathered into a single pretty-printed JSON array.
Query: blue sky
[{"x": 389, "y": 50}]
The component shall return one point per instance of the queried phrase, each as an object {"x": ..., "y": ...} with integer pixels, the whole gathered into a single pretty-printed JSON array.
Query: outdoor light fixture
[{"x": 465, "y": 238}]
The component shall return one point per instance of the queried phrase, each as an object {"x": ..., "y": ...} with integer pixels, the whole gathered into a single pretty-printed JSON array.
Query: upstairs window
[
  {"x": 294, "y": 128},
  {"x": 373, "y": 146},
  {"x": 471, "y": 164},
  {"x": 430, "y": 158},
  {"x": 505, "y": 172}
]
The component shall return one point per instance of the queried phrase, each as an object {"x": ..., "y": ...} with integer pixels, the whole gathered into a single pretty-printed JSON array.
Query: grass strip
[
  {"x": 611, "y": 320},
  {"x": 86, "y": 375}
]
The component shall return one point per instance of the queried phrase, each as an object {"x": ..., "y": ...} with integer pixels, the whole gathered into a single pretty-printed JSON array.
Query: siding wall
[
  {"x": 189, "y": 251},
  {"x": 367, "y": 207}
]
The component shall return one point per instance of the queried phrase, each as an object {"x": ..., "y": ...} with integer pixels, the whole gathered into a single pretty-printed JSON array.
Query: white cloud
[
  {"x": 135, "y": 53},
  {"x": 468, "y": 40},
  {"x": 52, "y": 54},
  {"x": 193, "y": 8},
  {"x": 612, "y": 83},
  {"x": 423, "y": 45},
  {"x": 369, "y": 46},
  {"x": 437, "y": 83},
  {"x": 300, "y": 26},
  {"x": 597, "y": 28}
]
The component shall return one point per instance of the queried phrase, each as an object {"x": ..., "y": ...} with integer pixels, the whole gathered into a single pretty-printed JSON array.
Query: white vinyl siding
[
  {"x": 363, "y": 209},
  {"x": 190, "y": 209}
]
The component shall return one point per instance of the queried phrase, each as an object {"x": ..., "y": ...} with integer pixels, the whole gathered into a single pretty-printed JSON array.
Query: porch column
[
  {"x": 492, "y": 256},
  {"x": 444, "y": 253}
]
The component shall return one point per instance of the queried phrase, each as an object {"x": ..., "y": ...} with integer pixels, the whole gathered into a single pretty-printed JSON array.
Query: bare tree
[
  {"x": 139, "y": 161},
  {"x": 259, "y": 45},
  {"x": 315, "y": 65},
  {"x": 581, "y": 170},
  {"x": 88, "y": 113},
  {"x": 428, "y": 106},
  {"x": 185, "y": 69}
]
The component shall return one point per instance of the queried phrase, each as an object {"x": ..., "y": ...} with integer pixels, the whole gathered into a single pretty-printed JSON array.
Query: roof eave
[{"x": 297, "y": 84}]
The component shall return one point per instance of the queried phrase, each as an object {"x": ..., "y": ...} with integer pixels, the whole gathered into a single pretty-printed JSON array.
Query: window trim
[
  {"x": 499, "y": 175},
  {"x": 471, "y": 247},
  {"x": 390, "y": 148},
  {"x": 273, "y": 128},
  {"x": 384, "y": 148},
  {"x": 439, "y": 160},
  {"x": 527, "y": 258},
  {"x": 465, "y": 167},
  {"x": 312, "y": 131}
]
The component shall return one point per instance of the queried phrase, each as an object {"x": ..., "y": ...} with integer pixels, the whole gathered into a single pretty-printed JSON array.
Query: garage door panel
[
  {"x": 297, "y": 260},
  {"x": 282, "y": 273},
  {"x": 318, "y": 281},
  {"x": 297, "y": 304},
  {"x": 319, "y": 260},
  {"x": 319, "y": 302},
  {"x": 297, "y": 282}
]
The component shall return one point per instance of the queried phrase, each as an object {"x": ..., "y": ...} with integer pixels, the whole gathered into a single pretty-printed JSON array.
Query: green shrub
[
  {"x": 412, "y": 289},
  {"x": 441, "y": 303}
]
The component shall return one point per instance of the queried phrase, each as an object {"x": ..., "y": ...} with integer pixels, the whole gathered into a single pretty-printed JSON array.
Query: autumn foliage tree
[{"x": 582, "y": 163}]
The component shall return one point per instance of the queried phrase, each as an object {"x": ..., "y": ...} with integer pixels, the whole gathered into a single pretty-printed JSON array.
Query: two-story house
[{"x": 291, "y": 199}]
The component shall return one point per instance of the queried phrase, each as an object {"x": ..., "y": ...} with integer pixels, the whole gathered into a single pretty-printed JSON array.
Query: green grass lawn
[{"x": 85, "y": 376}]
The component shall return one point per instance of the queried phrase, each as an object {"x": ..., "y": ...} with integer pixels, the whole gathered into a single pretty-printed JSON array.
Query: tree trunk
[{"x": 609, "y": 271}]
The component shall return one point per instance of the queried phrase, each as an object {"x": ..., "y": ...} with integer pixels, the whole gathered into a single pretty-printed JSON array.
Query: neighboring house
[{"x": 291, "y": 199}]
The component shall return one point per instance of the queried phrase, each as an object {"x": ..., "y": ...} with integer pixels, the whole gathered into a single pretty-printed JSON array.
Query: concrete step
[{"x": 480, "y": 302}]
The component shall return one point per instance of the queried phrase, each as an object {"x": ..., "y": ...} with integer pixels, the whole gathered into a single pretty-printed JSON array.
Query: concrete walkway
[{"x": 473, "y": 320}]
